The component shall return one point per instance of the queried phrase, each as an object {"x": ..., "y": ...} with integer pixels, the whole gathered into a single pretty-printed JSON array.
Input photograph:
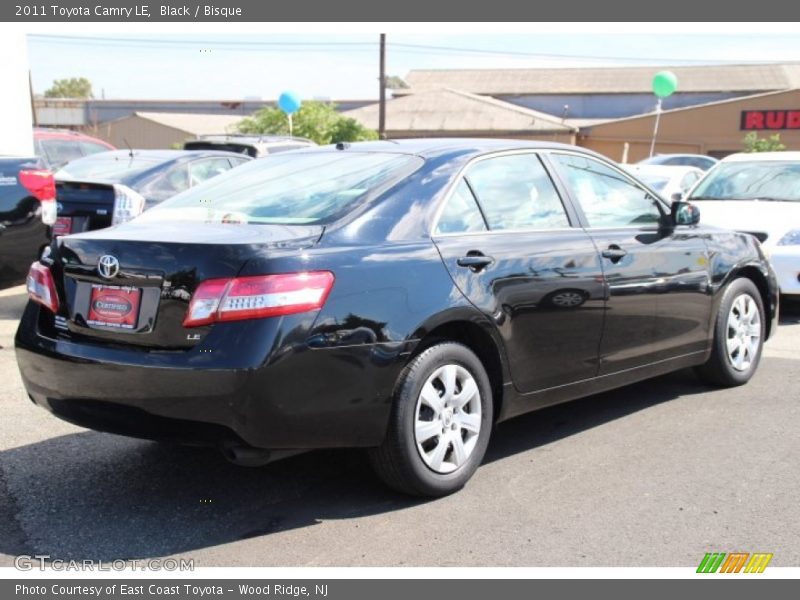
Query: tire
[
  {"x": 442, "y": 457},
  {"x": 736, "y": 351}
]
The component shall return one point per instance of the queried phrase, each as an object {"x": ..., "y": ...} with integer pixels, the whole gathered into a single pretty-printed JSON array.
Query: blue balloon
[{"x": 289, "y": 102}]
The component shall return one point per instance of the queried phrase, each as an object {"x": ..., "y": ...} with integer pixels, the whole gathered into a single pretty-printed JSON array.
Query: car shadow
[{"x": 98, "y": 496}]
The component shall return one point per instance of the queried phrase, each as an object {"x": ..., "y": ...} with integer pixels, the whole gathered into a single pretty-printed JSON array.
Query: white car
[
  {"x": 672, "y": 182},
  {"x": 758, "y": 193},
  {"x": 700, "y": 161}
]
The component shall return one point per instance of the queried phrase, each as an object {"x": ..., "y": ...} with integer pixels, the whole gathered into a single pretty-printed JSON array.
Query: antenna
[{"x": 130, "y": 150}]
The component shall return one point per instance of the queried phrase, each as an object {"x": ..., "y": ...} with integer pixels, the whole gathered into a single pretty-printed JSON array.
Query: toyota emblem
[{"x": 108, "y": 266}]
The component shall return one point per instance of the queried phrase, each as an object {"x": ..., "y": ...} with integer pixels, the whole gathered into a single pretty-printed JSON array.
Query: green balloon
[{"x": 664, "y": 84}]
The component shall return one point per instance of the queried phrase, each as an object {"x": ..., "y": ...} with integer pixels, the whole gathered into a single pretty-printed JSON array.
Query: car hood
[{"x": 752, "y": 216}]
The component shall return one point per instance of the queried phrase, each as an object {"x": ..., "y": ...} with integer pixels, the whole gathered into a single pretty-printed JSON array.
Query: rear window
[
  {"x": 103, "y": 166},
  {"x": 288, "y": 189},
  {"x": 59, "y": 152}
]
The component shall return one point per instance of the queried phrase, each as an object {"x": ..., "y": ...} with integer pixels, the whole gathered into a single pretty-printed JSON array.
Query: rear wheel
[
  {"x": 738, "y": 336},
  {"x": 440, "y": 423}
]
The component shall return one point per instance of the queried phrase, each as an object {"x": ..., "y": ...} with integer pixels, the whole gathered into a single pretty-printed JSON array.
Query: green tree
[
  {"x": 317, "y": 121},
  {"x": 752, "y": 143},
  {"x": 74, "y": 87}
]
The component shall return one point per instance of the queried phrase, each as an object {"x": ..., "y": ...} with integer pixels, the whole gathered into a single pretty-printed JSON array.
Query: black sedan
[
  {"x": 113, "y": 187},
  {"x": 398, "y": 296}
]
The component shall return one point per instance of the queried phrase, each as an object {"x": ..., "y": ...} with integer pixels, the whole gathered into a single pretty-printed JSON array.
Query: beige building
[
  {"x": 716, "y": 129},
  {"x": 151, "y": 130},
  {"x": 607, "y": 109},
  {"x": 454, "y": 113}
]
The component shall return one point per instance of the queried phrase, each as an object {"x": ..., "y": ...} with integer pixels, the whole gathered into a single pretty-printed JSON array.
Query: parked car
[
  {"x": 24, "y": 182},
  {"x": 387, "y": 295},
  {"x": 110, "y": 188},
  {"x": 22, "y": 233},
  {"x": 758, "y": 193},
  {"x": 701, "y": 161},
  {"x": 57, "y": 147},
  {"x": 254, "y": 146},
  {"x": 672, "y": 182}
]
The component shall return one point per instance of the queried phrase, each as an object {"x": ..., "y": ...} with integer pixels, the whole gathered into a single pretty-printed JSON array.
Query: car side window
[
  {"x": 461, "y": 213},
  {"x": 516, "y": 192},
  {"x": 200, "y": 170},
  {"x": 607, "y": 197}
]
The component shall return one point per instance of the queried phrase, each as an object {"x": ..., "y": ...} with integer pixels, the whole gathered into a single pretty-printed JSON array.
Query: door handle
[
  {"x": 475, "y": 261},
  {"x": 614, "y": 253}
]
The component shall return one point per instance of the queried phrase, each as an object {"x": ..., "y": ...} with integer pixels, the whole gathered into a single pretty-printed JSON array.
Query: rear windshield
[
  {"x": 102, "y": 166},
  {"x": 292, "y": 188}
]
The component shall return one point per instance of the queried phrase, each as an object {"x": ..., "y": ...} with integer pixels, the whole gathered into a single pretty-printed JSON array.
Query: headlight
[{"x": 790, "y": 239}]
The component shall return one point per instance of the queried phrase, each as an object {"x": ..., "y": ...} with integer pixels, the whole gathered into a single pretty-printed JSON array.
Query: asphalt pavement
[{"x": 655, "y": 474}]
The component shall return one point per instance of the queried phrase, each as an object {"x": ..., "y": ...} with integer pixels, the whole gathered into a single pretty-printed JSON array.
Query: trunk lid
[
  {"x": 144, "y": 300},
  {"x": 89, "y": 205}
]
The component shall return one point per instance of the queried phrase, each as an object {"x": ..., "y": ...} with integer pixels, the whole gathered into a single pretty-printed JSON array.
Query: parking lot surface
[{"x": 655, "y": 474}]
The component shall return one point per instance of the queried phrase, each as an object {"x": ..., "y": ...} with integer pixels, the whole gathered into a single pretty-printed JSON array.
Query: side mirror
[{"x": 684, "y": 213}]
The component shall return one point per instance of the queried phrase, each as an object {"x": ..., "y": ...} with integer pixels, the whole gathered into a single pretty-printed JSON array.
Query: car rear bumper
[
  {"x": 298, "y": 399},
  {"x": 786, "y": 264}
]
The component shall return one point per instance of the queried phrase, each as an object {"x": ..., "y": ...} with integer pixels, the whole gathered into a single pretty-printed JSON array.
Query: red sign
[
  {"x": 765, "y": 120},
  {"x": 62, "y": 226},
  {"x": 111, "y": 306}
]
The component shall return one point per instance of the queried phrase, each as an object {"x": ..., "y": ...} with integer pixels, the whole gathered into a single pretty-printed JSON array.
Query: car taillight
[
  {"x": 42, "y": 185},
  {"x": 127, "y": 204},
  {"x": 257, "y": 297},
  {"x": 42, "y": 287}
]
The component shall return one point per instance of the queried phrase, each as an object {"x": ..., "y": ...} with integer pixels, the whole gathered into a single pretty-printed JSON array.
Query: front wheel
[
  {"x": 738, "y": 336},
  {"x": 440, "y": 423}
]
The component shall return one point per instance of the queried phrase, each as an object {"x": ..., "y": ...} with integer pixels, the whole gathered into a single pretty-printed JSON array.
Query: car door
[
  {"x": 656, "y": 275},
  {"x": 513, "y": 248}
]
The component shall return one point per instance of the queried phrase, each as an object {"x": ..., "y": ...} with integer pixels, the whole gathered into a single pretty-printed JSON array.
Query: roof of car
[
  {"x": 665, "y": 170},
  {"x": 426, "y": 147},
  {"x": 65, "y": 134},
  {"x": 761, "y": 156},
  {"x": 250, "y": 137}
]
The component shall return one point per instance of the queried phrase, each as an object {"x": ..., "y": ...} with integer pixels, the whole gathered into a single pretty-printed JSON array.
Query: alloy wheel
[
  {"x": 447, "y": 418},
  {"x": 743, "y": 335}
]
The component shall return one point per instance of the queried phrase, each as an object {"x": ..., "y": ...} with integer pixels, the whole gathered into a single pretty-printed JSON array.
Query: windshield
[
  {"x": 105, "y": 167},
  {"x": 288, "y": 189},
  {"x": 756, "y": 180}
]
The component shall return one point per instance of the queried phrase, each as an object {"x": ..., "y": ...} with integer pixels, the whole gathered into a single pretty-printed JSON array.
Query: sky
[{"x": 202, "y": 66}]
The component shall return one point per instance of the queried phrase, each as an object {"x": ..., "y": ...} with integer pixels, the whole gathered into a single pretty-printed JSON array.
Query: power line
[{"x": 343, "y": 46}]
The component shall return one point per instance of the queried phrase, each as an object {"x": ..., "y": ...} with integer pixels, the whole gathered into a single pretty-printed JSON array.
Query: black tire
[
  {"x": 397, "y": 461},
  {"x": 719, "y": 369}
]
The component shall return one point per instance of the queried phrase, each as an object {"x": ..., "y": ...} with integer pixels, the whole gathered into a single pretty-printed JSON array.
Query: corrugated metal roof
[
  {"x": 605, "y": 80},
  {"x": 192, "y": 123},
  {"x": 453, "y": 111}
]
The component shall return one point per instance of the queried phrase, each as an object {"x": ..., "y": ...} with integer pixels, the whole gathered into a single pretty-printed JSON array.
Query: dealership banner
[
  {"x": 393, "y": 589},
  {"x": 33, "y": 11}
]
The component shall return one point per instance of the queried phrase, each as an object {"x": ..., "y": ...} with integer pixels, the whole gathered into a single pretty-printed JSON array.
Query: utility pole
[{"x": 382, "y": 101}]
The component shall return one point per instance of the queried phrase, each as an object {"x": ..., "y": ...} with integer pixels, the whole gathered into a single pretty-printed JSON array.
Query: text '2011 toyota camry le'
[{"x": 397, "y": 296}]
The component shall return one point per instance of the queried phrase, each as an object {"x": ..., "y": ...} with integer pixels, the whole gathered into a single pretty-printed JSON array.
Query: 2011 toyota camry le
[{"x": 397, "y": 296}]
